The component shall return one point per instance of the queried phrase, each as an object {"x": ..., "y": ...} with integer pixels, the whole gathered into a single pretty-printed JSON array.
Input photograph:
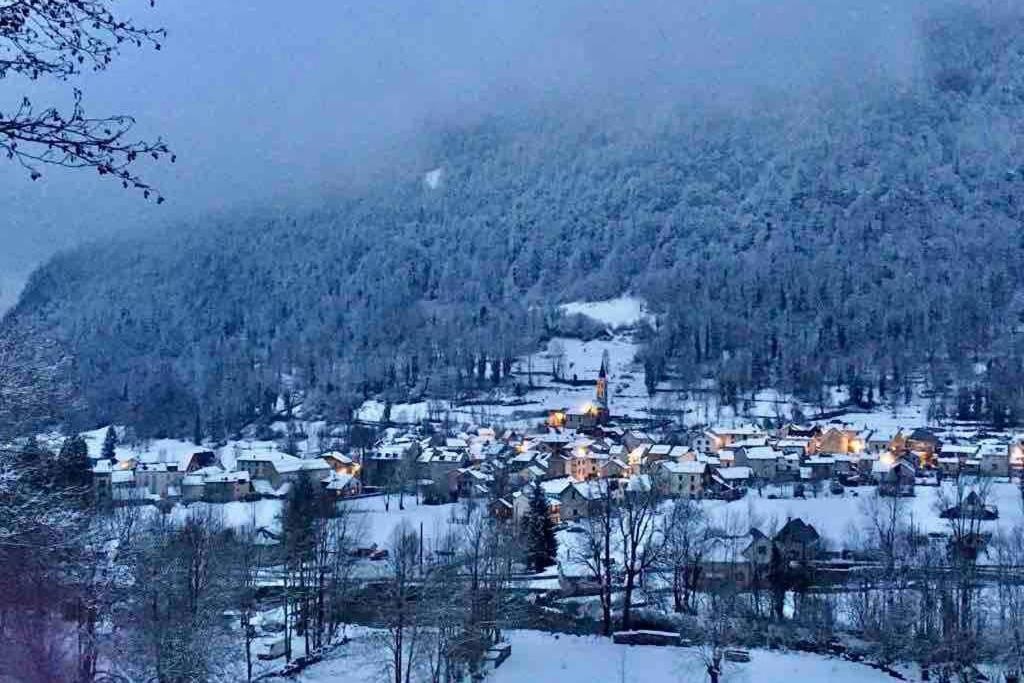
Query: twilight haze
[{"x": 264, "y": 105}]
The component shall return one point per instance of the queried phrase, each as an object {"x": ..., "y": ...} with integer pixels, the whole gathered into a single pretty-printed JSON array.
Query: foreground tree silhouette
[{"x": 59, "y": 40}]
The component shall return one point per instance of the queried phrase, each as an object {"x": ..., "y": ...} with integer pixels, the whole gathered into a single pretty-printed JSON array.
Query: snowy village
[
  {"x": 637, "y": 527},
  {"x": 584, "y": 341}
]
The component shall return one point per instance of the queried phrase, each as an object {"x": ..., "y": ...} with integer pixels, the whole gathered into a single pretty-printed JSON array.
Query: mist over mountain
[
  {"x": 826, "y": 216},
  {"x": 273, "y": 107}
]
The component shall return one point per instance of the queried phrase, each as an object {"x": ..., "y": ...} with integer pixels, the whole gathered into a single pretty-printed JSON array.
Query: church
[{"x": 591, "y": 414}]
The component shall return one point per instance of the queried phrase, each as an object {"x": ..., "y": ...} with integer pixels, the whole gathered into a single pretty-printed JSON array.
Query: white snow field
[
  {"x": 539, "y": 657},
  {"x": 837, "y": 517},
  {"x": 623, "y": 311}
]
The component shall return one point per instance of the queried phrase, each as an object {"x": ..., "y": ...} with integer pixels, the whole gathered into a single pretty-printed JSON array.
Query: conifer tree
[
  {"x": 541, "y": 543},
  {"x": 110, "y": 444},
  {"x": 72, "y": 465}
]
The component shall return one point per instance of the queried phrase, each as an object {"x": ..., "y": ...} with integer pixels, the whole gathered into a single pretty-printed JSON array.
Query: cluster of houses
[
  {"x": 191, "y": 476},
  {"x": 568, "y": 456}
]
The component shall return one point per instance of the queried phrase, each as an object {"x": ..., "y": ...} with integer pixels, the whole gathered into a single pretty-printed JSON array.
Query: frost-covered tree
[{"x": 59, "y": 42}]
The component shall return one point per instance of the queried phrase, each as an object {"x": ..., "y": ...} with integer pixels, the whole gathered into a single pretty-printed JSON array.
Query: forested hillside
[{"x": 859, "y": 236}]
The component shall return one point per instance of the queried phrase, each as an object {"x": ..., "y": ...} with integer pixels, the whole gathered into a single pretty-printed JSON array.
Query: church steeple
[{"x": 601, "y": 397}]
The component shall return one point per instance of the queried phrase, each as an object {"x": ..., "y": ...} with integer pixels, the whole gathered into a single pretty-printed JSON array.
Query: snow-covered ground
[
  {"x": 539, "y": 657},
  {"x": 686, "y": 405},
  {"x": 401, "y": 413},
  {"x": 376, "y": 524},
  {"x": 623, "y": 311},
  {"x": 837, "y": 517}
]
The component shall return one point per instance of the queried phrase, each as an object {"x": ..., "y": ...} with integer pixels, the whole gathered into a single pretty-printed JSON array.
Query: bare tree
[
  {"x": 182, "y": 587},
  {"x": 1008, "y": 550},
  {"x": 638, "y": 537},
  {"x": 59, "y": 41},
  {"x": 597, "y": 547},
  {"x": 403, "y": 628},
  {"x": 246, "y": 564},
  {"x": 684, "y": 532}
]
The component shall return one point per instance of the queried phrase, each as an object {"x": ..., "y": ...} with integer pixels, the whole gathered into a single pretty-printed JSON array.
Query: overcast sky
[{"x": 282, "y": 100}]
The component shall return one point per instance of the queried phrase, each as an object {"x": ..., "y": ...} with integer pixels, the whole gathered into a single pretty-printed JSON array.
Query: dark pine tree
[
  {"x": 541, "y": 543},
  {"x": 110, "y": 444},
  {"x": 197, "y": 430},
  {"x": 73, "y": 469}
]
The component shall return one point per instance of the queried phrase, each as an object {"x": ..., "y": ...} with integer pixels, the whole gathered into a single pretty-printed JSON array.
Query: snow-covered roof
[
  {"x": 688, "y": 467},
  {"x": 762, "y": 453},
  {"x": 750, "y": 443},
  {"x": 961, "y": 449},
  {"x": 228, "y": 477},
  {"x": 734, "y": 473},
  {"x": 747, "y": 430},
  {"x": 340, "y": 457}
]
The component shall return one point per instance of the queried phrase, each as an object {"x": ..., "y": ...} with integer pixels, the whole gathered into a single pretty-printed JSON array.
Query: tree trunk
[{"x": 627, "y": 601}]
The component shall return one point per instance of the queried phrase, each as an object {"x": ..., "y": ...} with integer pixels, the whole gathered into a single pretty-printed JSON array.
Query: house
[
  {"x": 763, "y": 461},
  {"x": 949, "y": 466},
  {"x": 380, "y": 466},
  {"x": 971, "y": 507},
  {"x": 633, "y": 439},
  {"x": 894, "y": 478},
  {"x": 994, "y": 460},
  {"x": 586, "y": 464},
  {"x": 278, "y": 468},
  {"x": 225, "y": 487},
  {"x": 158, "y": 479},
  {"x": 470, "y": 482},
  {"x": 822, "y": 467},
  {"x": 193, "y": 488},
  {"x": 343, "y": 485},
  {"x": 502, "y": 509},
  {"x": 728, "y": 483},
  {"x": 113, "y": 483},
  {"x": 841, "y": 439},
  {"x": 682, "y": 479},
  {"x": 341, "y": 463},
  {"x": 798, "y": 431},
  {"x": 797, "y": 541},
  {"x": 736, "y": 560},
  {"x": 554, "y": 490},
  {"x": 577, "y": 501},
  {"x": 923, "y": 442},
  {"x": 721, "y": 437},
  {"x": 794, "y": 446},
  {"x": 886, "y": 440},
  {"x": 436, "y": 464}
]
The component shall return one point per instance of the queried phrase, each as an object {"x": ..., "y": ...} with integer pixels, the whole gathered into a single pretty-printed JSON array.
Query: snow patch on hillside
[
  {"x": 401, "y": 413},
  {"x": 432, "y": 179},
  {"x": 623, "y": 311}
]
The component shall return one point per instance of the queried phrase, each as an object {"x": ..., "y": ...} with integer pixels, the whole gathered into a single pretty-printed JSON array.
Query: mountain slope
[{"x": 855, "y": 237}]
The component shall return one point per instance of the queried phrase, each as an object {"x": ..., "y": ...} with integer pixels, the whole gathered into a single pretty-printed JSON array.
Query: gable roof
[{"x": 797, "y": 531}]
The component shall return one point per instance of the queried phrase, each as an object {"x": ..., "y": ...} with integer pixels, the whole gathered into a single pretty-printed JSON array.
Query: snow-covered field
[
  {"x": 837, "y": 517},
  {"x": 375, "y": 523},
  {"x": 623, "y": 311},
  {"x": 539, "y": 657}
]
